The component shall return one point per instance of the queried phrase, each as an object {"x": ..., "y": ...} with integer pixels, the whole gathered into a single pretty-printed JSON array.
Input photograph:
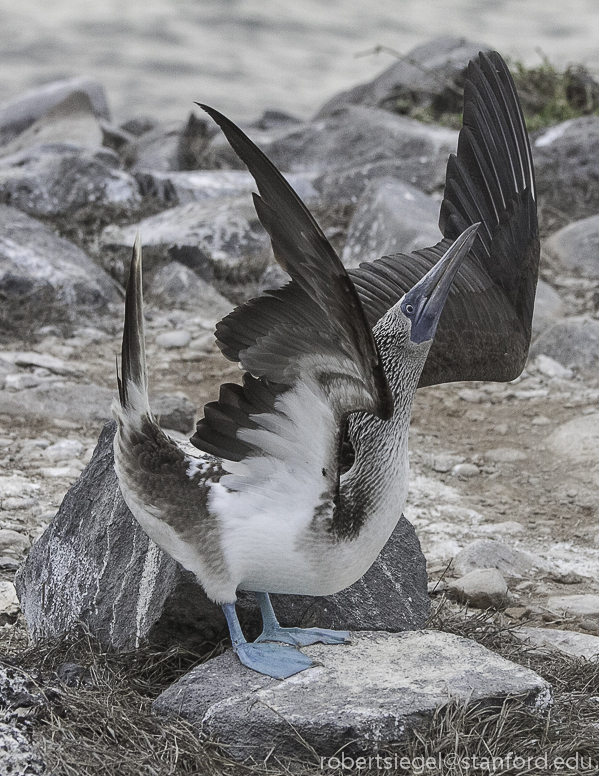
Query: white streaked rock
[{"x": 363, "y": 696}]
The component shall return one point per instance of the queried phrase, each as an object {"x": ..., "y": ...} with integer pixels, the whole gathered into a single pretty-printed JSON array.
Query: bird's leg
[
  {"x": 276, "y": 660},
  {"x": 298, "y": 637}
]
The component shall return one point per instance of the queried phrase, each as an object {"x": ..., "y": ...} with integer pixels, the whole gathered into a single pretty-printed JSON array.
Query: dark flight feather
[{"x": 485, "y": 328}]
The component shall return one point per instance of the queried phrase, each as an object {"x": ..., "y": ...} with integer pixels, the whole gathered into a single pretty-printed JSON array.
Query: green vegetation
[{"x": 549, "y": 96}]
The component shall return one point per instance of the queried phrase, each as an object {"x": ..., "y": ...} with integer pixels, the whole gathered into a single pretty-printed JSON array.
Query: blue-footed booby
[{"x": 304, "y": 467}]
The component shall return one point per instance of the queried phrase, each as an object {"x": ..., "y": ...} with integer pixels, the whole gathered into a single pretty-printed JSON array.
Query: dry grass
[{"x": 104, "y": 725}]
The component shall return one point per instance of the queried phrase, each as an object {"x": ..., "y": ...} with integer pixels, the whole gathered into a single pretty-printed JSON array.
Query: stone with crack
[{"x": 363, "y": 697}]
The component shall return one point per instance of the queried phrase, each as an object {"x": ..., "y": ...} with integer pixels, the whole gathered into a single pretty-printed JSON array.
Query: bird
[{"x": 302, "y": 470}]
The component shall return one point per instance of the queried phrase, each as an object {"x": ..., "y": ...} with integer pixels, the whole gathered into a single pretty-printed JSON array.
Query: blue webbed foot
[
  {"x": 276, "y": 660},
  {"x": 301, "y": 637}
]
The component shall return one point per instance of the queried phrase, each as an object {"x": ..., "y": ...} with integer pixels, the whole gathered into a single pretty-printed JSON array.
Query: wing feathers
[{"x": 484, "y": 331}]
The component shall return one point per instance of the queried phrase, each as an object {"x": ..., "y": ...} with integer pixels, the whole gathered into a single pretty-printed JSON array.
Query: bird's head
[{"x": 423, "y": 304}]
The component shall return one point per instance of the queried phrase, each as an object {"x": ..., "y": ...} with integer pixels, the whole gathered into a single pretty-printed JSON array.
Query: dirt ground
[{"x": 542, "y": 503}]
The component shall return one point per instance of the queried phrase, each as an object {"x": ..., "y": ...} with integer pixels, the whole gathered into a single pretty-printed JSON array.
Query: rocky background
[{"x": 504, "y": 476}]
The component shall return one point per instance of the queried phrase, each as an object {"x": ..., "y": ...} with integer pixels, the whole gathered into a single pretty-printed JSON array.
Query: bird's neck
[{"x": 379, "y": 475}]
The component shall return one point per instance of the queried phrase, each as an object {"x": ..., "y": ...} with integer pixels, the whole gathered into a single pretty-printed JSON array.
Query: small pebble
[
  {"x": 552, "y": 368},
  {"x": 13, "y": 542},
  {"x": 194, "y": 377},
  {"x": 445, "y": 462},
  {"x": 16, "y": 502},
  {"x": 179, "y": 338},
  {"x": 20, "y": 381},
  {"x": 471, "y": 395},
  {"x": 63, "y": 450},
  {"x": 465, "y": 470},
  {"x": 64, "y": 423},
  {"x": 9, "y": 602},
  {"x": 540, "y": 420},
  {"x": 8, "y": 564},
  {"x": 59, "y": 471}
]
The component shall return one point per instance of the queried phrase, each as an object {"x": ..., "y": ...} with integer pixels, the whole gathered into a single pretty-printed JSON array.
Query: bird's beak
[{"x": 424, "y": 302}]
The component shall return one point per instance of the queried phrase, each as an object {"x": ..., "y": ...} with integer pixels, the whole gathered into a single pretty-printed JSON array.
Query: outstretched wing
[
  {"x": 308, "y": 350},
  {"x": 485, "y": 328}
]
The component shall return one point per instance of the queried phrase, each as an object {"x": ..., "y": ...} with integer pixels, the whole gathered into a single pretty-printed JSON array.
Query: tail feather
[{"x": 133, "y": 381}]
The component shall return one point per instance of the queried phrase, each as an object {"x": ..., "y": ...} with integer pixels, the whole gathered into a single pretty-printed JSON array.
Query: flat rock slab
[
  {"x": 364, "y": 696},
  {"x": 570, "y": 642},
  {"x": 487, "y": 554},
  {"x": 582, "y": 605},
  {"x": 87, "y": 402}
]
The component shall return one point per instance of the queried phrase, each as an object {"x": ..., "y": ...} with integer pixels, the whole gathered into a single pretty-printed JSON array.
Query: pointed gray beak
[{"x": 424, "y": 302}]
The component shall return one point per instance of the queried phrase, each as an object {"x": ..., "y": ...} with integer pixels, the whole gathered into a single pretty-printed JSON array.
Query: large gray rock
[
  {"x": 175, "y": 285},
  {"x": 47, "y": 277},
  {"x": 18, "y": 114},
  {"x": 95, "y": 565},
  {"x": 221, "y": 236},
  {"x": 179, "y": 188},
  {"x": 566, "y": 159},
  {"x": 359, "y": 136},
  {"x": 573, "y": 342},
  {"x": 59, "y": 179},
  {"x": 71, "y": 121},
  {"x": 365, "y": 695},
  {"x": 430, "y": 76},
  {"x": 489, "y": 554},
  {"x": 391, "y": 217},
  {"x": 548, "y": 307},
  {"x": 173, "y": 146},
  {"x": 576, "y": 246}
]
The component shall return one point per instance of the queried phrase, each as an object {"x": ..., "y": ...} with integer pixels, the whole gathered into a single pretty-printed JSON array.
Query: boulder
[
  {"x": 489, "y": 554},
  {"x": 362, "y": 697},
  {"x": 358, "y": 136},
  {"x": 18, "y": 114},
  {"x": 60, "y": 179},
  {"x": 176, "y": 286},
  {"x": 431, "y": 76},
  {"x": 95, "y": 565},
  {"x": 573, "y": 342},
  {"x": 548, "y": 307},
  {"x": 391, "y": 217},
  {"x": 483, "y": 588},
  {"x": 172, "y": 146},
  {"x": 70, "y": 121},
  {"x": 576, "y": 247},
  {"x": 44, "y": 278},
  {"x": 179, "y": 188},
  {"x": 566, "y": 159},
  {"x": 221, "y": 236}
]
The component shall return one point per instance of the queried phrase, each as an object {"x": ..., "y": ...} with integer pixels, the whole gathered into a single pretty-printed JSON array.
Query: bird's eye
[{"x": 409, "y": 308}]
